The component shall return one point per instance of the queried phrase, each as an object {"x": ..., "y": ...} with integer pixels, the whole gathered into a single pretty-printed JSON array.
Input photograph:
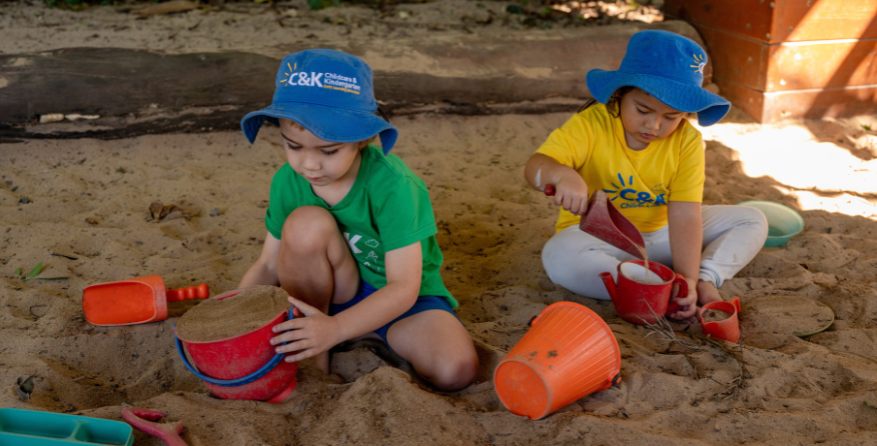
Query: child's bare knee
[
  {"x": 306, "y": 226},
  {"x": 456, "y": 373}
]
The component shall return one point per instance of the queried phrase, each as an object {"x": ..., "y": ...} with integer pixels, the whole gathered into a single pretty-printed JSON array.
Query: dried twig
[
  {"x": 733, "y": 387},
  {"x": 64, "y": 255},
  {"x": 663, "y": 329}
]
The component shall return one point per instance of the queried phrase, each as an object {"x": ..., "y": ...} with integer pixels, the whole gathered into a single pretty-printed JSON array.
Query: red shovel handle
[
  {"x": 142, "y": 420},
  {"x": 200, "y": 292},
  {"x": 549, "y": 190}
]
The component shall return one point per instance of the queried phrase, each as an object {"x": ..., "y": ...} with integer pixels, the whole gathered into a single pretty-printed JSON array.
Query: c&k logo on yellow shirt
[{"x": 631, "y": 197}]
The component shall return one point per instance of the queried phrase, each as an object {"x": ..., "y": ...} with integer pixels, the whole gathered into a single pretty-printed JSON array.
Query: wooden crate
[{"x": 790, "y": 58}]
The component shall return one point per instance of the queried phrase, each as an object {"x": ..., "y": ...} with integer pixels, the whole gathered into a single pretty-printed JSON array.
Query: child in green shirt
[{"x": 351, "y": 231}]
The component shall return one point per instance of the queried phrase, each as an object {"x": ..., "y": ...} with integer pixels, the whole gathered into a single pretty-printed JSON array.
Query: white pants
[{"x": 732, "y": 236}]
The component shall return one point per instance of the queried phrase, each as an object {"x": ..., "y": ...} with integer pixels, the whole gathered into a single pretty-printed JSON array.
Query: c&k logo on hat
[
  {"x": 698, "y": 59},
  {"x": 331, "y": 81}
]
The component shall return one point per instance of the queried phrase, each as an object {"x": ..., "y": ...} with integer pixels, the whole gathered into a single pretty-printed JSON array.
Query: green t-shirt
[{"x": 387, "y": 208}]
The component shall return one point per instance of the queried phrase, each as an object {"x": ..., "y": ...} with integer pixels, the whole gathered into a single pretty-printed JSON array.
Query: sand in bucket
[
  {"x": 246, "y": 311},
  {"x": 713, "y": 315},
  {"x": 640, "y": 274}
]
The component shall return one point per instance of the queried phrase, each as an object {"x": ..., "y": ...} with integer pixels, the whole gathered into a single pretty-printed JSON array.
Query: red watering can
[{"x": 641, "y": 298}]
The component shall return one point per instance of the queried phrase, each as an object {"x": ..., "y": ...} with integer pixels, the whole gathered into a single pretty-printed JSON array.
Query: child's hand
[
  {"x": 688, "y": 305},
  {"x": 309, "y": 336},
  {"x": 571, "y": 192}
]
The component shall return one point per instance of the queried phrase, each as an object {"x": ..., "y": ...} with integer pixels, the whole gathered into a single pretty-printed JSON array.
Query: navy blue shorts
[{"x": 423, "y": 303}]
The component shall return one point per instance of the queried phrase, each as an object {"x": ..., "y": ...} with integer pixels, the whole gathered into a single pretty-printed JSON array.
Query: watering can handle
[{"x": 683, "y": 292}]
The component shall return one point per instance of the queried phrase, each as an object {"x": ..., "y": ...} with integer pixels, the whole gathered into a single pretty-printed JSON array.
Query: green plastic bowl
[{"x": 782, "y": 221}]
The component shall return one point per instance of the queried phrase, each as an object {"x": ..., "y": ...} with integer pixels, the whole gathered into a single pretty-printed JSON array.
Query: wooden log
[{"x": 139, "y": 92}]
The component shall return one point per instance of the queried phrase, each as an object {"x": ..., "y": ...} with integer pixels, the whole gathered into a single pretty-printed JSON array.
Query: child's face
[
  {"x": 320, "y": 162},
  {"x": 646, "y": 119}
]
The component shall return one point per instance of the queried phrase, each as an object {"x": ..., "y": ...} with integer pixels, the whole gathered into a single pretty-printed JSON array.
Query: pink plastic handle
[
  {"x": 142, "y": 420},
  {"x": 673, "y": 307},
  {"x": 200, "y": 292}
]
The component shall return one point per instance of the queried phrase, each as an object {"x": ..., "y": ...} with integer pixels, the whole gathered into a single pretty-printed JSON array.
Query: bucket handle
[{"x": 237, "y": 381}]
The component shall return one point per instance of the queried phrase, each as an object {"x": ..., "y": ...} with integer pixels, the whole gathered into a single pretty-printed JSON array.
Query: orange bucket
[{"x": 568, "y": 353}]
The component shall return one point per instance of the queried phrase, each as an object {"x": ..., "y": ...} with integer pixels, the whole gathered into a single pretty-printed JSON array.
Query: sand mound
[{"x": 216, "y": 319}]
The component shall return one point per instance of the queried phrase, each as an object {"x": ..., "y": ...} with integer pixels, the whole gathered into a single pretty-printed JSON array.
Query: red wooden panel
[
  {"x": 832, "y": 103},
  {"x": 821, "y": 65},
  {"x": 736, "y": 58},
  {"x": 749, "y": 100},
  {"x": 800, "y": 20},
  {"x": 775, "y": 106},
  {"x": 750, "y": 18}
]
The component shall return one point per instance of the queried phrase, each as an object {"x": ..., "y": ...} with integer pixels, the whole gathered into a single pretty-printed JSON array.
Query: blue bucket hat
[
  {"x": 330, "y": 94},
  {"x": 667, "y": 66}
]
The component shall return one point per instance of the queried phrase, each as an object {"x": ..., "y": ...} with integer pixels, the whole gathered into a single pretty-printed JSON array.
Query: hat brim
[
  {"x": 710, "y": 107},
  {"x": 327, "y": 123}
]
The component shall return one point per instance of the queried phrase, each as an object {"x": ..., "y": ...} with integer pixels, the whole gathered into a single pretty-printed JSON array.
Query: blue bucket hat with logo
[
  {"x": 667, "y": 66},
  {"x": 330, "y": 94}
]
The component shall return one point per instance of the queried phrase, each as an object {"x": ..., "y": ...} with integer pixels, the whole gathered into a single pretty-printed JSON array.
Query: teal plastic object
[
  {"x": 19, "y": 427},
  {"x": 782, "y": 221}
]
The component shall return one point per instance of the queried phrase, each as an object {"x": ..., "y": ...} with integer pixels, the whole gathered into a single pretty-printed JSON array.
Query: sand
[
  {"x": 86, "y": 216},
  {"x": 713, "y": 315},
  {"x": 215, "y": 319}
]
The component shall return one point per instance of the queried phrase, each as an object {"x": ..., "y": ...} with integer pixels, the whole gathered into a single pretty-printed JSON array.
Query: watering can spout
[{"x": 610, "y": 284}]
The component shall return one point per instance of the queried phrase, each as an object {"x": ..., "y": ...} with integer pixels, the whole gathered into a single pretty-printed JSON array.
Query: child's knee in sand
[{"x": 450, "y": 364}]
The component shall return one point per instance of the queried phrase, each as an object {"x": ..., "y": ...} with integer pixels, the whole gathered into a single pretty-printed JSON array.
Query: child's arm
[
  {"x": 318, "y": 332},
  {"x": 686, "y": 244},
  {"x": 571, "y": 189},
  {"x": 264, "y": 271}
]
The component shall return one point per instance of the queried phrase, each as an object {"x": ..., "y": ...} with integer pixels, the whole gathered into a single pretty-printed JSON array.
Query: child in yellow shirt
[{"x": 637, "y": 147}]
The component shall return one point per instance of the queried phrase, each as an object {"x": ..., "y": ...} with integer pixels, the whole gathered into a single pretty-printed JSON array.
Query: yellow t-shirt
[{"x": 639, "y": 183}]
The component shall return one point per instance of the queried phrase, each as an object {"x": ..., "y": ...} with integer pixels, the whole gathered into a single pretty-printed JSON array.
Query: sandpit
[{"x": 82, "y": 207}]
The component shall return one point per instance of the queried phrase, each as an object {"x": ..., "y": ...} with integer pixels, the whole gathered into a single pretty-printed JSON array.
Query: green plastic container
[
  {"x": 19, "y": 427},
  {"x": 782, "y": 221}
]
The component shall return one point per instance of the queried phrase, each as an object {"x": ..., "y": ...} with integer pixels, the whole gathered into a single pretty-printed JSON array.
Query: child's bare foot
[{"x": 707, "y": 293}]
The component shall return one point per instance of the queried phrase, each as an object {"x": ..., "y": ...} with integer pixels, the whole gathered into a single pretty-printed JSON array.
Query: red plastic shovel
[
  {"x": 142, "y": 420},
  {"x": 604, "y": 221},
  {"x": 134, "y": 301}
]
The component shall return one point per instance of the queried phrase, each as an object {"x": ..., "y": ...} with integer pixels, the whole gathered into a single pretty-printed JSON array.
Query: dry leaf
[{"x": 155, "y": 210}]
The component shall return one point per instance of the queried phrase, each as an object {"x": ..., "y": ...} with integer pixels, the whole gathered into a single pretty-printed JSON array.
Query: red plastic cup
[{"x": 725, "y": 329}]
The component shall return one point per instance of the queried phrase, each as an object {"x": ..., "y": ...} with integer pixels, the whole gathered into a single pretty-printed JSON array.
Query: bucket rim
[
  {"x": 271, "y": 323},
  {"x": 546, "y": 412}
]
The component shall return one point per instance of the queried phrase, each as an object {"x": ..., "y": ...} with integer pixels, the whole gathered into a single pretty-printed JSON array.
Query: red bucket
[{"x": 243, "y": 367}]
